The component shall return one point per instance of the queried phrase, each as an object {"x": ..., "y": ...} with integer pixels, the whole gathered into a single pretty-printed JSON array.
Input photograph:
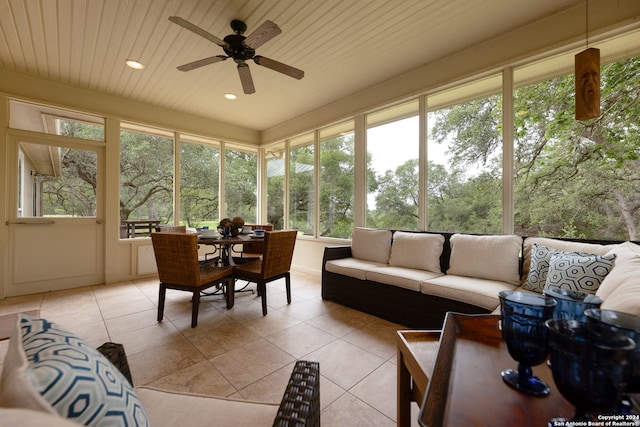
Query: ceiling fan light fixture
[
  {"x": 230, "y": 96},
  {"x": 135, "y": 64},
  {"x": 240, "y": 49}
]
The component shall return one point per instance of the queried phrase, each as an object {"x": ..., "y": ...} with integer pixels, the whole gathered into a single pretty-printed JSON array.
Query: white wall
[{"x": 308, "y": 253}]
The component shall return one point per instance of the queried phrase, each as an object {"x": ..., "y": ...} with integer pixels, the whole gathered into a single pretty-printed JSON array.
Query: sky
[{"x": 393, "y": 144}]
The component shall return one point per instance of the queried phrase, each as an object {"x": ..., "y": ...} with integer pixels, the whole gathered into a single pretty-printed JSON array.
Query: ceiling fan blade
[
  {"x": 202, "y": 62},
  {"x": 262, "y": 34},
  {"x": 246, "y": 79},
  {"x": 279, "y": 67},
  {"x": 199, "y": 31}
]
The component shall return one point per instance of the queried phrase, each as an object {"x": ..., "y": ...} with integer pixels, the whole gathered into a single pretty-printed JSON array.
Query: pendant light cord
[{"x": 587, "y": 22}]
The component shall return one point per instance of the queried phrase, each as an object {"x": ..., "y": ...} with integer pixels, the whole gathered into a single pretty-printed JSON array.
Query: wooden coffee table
[
  {"x": 466, "y": 387},
  {"x": 417, "y": 352}
]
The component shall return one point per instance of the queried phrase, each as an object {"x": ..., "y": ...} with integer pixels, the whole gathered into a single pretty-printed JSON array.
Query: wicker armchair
[
  {"x": 178, "y": 268},
  {"x": 252, "y": 251},
  {"x": 275, "y": 264},
  {"x": 171, "y": 229}
]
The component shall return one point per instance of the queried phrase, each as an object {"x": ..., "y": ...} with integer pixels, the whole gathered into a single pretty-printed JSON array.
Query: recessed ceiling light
[
  {"x": 230, "y": 96},
  {"x": 136, "y": 65}
]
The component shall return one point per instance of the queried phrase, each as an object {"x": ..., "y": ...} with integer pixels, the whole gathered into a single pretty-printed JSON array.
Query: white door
[{"x": 55, "y": 231}]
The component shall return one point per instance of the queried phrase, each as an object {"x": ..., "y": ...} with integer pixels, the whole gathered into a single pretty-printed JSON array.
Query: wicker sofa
[{"x": 415, "y": 278}]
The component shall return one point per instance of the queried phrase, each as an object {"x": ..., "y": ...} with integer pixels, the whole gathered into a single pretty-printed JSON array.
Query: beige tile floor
[{"x": 239, "y": 353}]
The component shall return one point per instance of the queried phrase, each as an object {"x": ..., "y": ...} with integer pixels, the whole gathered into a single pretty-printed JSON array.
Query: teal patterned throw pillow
[
  {"x": 76, "y": 380},
  {"x": 578, "y": 272}
]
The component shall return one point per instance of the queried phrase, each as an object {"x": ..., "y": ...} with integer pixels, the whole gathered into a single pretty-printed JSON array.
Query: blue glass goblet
[
  {"x": 525, "y": 335},
  {"x": 572, "y": 304},
  {"x": 589, "y": 368},
  {"x": 610, "y": 321}
]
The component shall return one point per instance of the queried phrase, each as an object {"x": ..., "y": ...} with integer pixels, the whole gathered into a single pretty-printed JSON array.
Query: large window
[
  {"x": 301, "y": 184},
  {"x": 56, "y": 181},
  {"x": 464, "y": 187},
  {"x": 336, "y": 180},
  {"x": 275, "y": 160},
  {"x": 392, "y": 167},
  {"x": 199, "y": 183},
  {"x": 241, "y": 185},
  {"x": 146, "y": 176},
  {"x": 55, "y": 121},
  {"x": 579, "y": 179}
]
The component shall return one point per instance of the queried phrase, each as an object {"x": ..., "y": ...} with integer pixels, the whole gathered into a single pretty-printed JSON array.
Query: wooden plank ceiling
[{"x": 343, "y": 47}]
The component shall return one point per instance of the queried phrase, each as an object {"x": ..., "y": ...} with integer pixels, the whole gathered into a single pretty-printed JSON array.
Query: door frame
[{"x": 14, "y": 138}]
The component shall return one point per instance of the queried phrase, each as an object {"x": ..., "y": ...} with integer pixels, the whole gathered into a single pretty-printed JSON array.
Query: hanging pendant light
[{"x": 587, "y": 76}]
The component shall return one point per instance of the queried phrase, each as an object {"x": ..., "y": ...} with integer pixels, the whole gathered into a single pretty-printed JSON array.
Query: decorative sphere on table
[
  {"x": 525, "y": 335},
  {"x": 231, "y": 227},
  {"x": 238, "y": 223}
]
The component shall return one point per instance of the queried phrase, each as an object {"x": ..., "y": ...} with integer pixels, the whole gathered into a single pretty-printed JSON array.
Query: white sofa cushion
[
  {"x": 560, "y": 245},
  {"x": 170, "y": 409},
  {"x": 371, "y": 245},
  {"x": 486, "y": 257},
  {"x": 417, "y": 250},
  {"x": 30, "y": 418},
  {"x": 625, "y": 297},
  {"x": 578, "y": 272},
  {"x": 408, "y": 278},
  {"x": 478, "y": 292},
  {"x": 626, "y": 269},
  {"x": 352, "y": 267}
]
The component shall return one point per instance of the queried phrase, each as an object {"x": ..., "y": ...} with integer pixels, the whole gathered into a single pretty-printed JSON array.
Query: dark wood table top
[
  {"x": 466, "y": 388},
  {"x": 231, "y": 240}
]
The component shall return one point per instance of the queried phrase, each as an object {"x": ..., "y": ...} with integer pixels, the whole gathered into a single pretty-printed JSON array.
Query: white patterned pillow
[
  {"x": 578, "y": 272},
  {"x": 49, "y": 369},
  {"x": 537, "y": 277}
]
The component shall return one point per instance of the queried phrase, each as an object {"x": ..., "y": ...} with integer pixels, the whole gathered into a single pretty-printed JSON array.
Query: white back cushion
[
  {"x": 486, "y": 257},
  {"x": 417, "y": 250},
  {"x": 371, "y": 245},
  {"x": 626, "y": 270}
]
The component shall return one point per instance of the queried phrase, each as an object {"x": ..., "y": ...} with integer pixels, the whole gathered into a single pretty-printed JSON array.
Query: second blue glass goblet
[
  {"x": 525, "y": 335},
  {"x": 589, "y": 366}
]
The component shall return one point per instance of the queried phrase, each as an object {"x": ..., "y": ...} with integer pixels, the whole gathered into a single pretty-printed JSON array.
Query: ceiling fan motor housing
[
  {"x": 237, "y": 49},
  {"x": 237, "y": 46}
]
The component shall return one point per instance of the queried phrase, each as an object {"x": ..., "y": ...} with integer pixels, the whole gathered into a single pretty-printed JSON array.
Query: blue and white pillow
[
  {"x": 50, "y": 369},
  {"x": 537, "y": 278},
  {"x": 578, "y": 272}
]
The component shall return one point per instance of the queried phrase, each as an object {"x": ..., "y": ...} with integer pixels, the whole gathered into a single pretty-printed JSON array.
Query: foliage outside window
[
  {"x": 275, "y": 162},
  {"x": 337, "y": 180},
  {"x": 301, "y": 185},
  {"x": 465, "y": 184},
  {"x": 241, "y": 185},
  {"x": 80, "y": 129},
  {"x": 63, "y": 187},
  {"x": 392, "y": 167},
  {"x": 579, "y": 179},
  {"x": 146, "y": 177},
  {"x": 199, "y": 184}
]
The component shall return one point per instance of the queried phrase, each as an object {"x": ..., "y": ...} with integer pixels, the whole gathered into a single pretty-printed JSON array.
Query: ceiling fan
[{"x": 241, "y": 49}]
